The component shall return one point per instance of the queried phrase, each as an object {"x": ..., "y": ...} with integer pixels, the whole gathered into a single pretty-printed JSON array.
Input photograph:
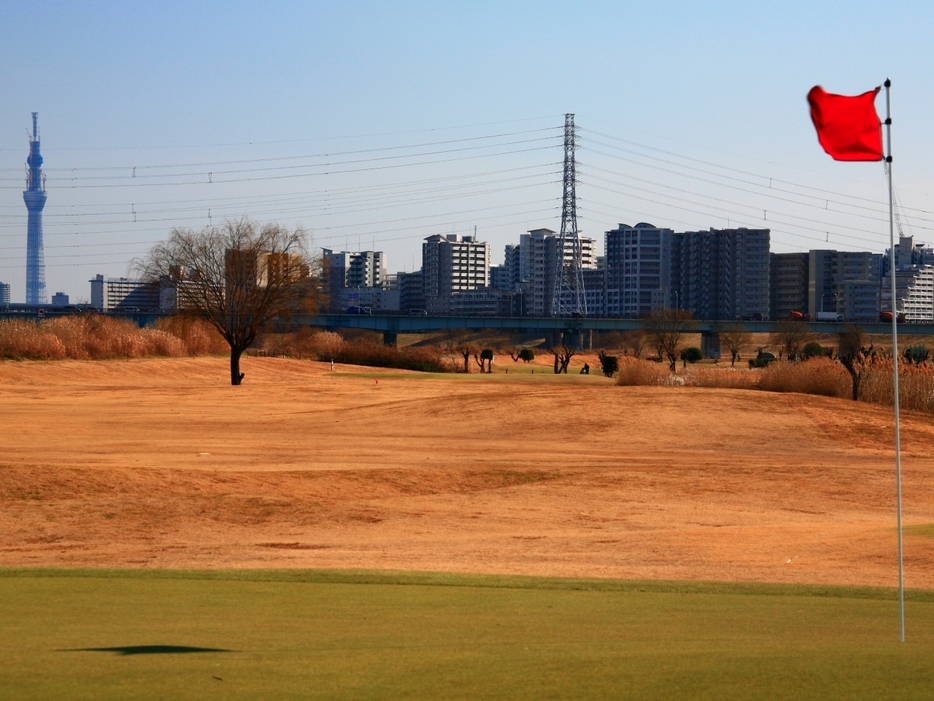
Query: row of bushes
[
  {"x": 820, "y": 375},
  {"x": 92, "y": 337},
  {"x": 327, "y": 345}
]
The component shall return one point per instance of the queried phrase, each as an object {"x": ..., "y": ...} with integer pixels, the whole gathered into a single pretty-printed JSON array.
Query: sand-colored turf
[{"x": 158, "y": 463}]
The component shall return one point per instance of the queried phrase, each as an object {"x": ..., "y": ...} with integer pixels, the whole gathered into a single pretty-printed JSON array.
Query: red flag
[{"x": 847, "y": 127}]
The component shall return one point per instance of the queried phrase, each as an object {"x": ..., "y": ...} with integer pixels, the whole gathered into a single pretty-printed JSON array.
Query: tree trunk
[
  {"x": 855, "y": 375},
  {"x": 236, "y": 377}
]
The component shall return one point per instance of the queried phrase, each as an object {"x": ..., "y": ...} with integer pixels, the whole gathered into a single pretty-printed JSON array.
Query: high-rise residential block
[
  {"x": 721, "y": 273},
  {"x": 450, "y": 264},
  {"x": 829, "y": 270},
  {"x": 359, "y": 272},
  {"x": 788, "y": 284},
  {"x": 914, "y": 281},
  {"x": 638, "y": 270}
]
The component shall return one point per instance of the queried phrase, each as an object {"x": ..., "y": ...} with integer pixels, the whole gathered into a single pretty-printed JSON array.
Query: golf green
[{"x": 111, "y": 634}]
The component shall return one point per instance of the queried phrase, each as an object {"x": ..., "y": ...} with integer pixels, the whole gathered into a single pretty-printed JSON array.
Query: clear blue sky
[{"x": 454, "y": 110}]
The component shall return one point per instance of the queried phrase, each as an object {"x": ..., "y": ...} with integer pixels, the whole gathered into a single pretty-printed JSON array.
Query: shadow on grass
[{"x": 148, "y": 649}]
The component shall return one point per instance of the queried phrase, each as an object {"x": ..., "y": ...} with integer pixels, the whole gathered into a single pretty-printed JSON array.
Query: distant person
[{"x": 585, "y": 370}]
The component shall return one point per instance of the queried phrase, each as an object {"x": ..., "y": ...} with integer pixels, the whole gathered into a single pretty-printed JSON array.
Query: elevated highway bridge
[{"x": 572, "y": 331}]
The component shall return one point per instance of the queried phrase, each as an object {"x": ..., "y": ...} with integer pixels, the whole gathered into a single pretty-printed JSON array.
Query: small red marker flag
[{"x": 848, "y": 127}]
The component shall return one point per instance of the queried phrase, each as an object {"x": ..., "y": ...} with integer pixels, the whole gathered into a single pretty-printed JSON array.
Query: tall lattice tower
[
  {"x": 568, "y": 298},
  {"x": 35, "y": 197}
]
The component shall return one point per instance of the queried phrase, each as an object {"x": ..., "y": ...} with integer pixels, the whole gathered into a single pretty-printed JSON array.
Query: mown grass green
[
  {"x": 925, "y": 530},
  {"x": 371, "y": 635}
]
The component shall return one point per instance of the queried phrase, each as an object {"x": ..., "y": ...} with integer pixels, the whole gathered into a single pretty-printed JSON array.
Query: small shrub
[
  {"x": 813, "y": 350},
  {"x": 692, "y": 355},
  {"x": 609, "y": 364},
  {"x": 917, "y": 354},
  {"x": 527, "y": 355}
]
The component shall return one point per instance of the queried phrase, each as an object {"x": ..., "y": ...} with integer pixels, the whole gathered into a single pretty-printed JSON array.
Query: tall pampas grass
[
  {"x": 94, "y": 337},
  {"x": 820, "y": 376}
]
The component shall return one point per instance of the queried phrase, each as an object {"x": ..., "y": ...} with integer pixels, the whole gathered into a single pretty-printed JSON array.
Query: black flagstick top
[{"x": 888, "y": 119}]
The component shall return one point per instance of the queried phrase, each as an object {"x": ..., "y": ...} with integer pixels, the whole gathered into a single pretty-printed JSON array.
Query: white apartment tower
[{"x": 452, "y": 263}]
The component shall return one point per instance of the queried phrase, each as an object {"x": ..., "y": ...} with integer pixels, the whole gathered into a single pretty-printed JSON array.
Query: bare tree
[
  {"x": 238, "y": 277},
  {"x": 735, "y": 338},
  {"x": 635, "y": 341},
  {"x": 854, "y": 357},
  {"x": 563, "y": 355},
  {"x": 665, "y": 328},
  {"x": 790, "y": 336},
  {"x": 466, "y": 351}
]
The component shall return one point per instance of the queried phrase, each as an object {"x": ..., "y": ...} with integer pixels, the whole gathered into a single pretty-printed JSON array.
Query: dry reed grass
[
  {"x": 635, "y": 372},
  {"x": 820, "y": 376},
  {"x": 724, "y": 377},
  {"x": 306, "y": 343},
  {"x": 93, "y": 337},
  {"x": 198, "y": 336},
  {"x": 915, "y": 385}
]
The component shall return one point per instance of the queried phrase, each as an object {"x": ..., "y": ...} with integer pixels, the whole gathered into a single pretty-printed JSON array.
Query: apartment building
[
  {"x": 452, "y": 263},
  {"x": 721, "y": 273},
  {"x": 119, "y": 294},
  {"x": 361, "y": 271},
  {"x": 788, "y": 284},
  {"x": 637, "y": 276}
]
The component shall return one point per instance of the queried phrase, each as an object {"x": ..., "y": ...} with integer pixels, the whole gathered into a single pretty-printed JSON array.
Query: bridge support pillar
[
  {"x": 710, "y": 344},
  {"x": 578, "y": 339},
  {"x": 390, "y": 338}
]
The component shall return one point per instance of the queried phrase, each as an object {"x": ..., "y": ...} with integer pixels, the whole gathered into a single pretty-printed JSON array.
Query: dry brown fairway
[{"x": 157, "y": 463}]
